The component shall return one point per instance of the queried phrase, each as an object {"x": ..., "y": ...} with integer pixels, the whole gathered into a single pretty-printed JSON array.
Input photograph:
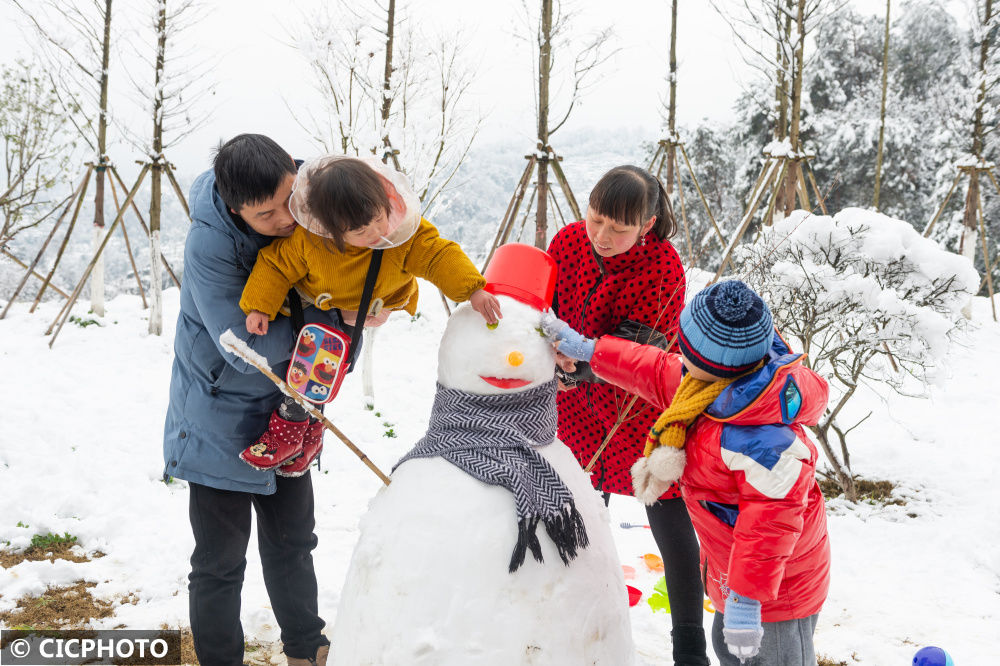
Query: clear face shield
[{"x": 402, "y": 220}]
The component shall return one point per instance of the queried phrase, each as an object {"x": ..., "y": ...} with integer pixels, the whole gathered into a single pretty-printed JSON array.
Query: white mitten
[
  {"x": 648, "y": 488},
  {"x": 666, "y": 463}
]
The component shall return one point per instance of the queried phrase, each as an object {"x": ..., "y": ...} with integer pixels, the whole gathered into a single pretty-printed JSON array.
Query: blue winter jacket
[{"x": 218, "y": 403}]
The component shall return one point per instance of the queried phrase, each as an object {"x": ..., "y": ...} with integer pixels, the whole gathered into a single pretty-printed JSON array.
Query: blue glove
[
  {"x": 741, "y": 627},
  {"x": 568, "y": 341}
]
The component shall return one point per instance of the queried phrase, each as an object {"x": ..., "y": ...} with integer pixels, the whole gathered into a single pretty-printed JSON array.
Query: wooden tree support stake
[
  {"x": 68, "y": 307},
  {"x": 666, "y": 155},
  {"x": 78, "y": 194},
  {"x": 32, "y": 272},
  {"x": 514, "y": 206},
  {"x": 756, "y": 195},
  {"x": 986, "y": 254},
  {"x": 31, "y": 268},
  {"x": 128, "y": 246},
  {"x": 169, "y": 168},
  {"x": 142, "y": 221},
  {"x": 767, "y": 182},
  {"x": 968, "y": 171}
]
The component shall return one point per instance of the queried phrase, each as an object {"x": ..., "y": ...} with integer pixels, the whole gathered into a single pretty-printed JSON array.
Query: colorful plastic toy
[
  {"x": 932, "y": 656},
  {"x": 634, "y": 595},
  {"x": 653, "y": 562},
  {"x": 659, "y": 600},
  {"x": 628, "y": 572}
]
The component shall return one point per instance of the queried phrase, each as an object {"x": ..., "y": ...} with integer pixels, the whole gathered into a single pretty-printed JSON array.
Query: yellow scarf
[{"x": 692, "y": 397}]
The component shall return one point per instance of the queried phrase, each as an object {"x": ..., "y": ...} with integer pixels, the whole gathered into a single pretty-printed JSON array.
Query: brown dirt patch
[
  {"x": 826, "y": 661},
  {"x": 66, "y": 607},
  {"x": 187, "y": 648},
  {"x": 878, "y": 492},
  {"x": 255, "y": 653},
  {"x": 62, "y": 551}
]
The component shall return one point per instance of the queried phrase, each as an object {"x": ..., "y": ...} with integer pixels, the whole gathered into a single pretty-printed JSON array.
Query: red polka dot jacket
[{"x": 596, "y": 296}]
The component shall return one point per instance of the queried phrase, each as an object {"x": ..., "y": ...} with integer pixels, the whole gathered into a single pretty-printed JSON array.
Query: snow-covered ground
[{"x": 80, "y": 452}]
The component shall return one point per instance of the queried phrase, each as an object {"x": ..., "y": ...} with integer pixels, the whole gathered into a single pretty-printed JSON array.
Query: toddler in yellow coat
[{"x": 346, "y": 207}]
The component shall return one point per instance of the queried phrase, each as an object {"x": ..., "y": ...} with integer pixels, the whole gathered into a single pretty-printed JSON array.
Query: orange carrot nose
[{"x": 515, "y": 358}]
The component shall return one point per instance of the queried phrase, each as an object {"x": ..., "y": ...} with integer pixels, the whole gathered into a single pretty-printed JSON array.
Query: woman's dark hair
[
  {"x": 249, "y": 168},
  {"x": 345, "y": 195},
  {"x": 631, "y": 195}
]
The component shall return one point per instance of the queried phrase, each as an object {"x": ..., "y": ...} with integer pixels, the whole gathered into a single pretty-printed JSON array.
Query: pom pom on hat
[{"x": 726, "y": 329}]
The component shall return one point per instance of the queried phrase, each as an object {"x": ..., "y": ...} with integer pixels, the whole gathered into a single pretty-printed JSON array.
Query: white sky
[{"x": 257, "y": 72}]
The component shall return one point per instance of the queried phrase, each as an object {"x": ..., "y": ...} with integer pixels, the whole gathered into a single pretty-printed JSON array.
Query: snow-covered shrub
[{"x": 866, "y": 297}]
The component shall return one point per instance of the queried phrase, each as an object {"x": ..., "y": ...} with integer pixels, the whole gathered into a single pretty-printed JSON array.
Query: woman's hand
[
  {"x": 487, "y": 305},
  {"x": 565, "y": 363},
  {"x": 257, "y": 322}
]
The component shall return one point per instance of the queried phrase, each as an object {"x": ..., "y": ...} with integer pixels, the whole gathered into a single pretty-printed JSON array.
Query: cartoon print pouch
[{"x": 319, "y": 363}]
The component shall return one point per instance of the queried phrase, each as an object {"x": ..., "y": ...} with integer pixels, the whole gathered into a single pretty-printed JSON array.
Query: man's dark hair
[{"x": 249, "y": 168}]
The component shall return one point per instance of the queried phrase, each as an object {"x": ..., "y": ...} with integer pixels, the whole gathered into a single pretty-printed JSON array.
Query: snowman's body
[{"x": 429, "y": 580}]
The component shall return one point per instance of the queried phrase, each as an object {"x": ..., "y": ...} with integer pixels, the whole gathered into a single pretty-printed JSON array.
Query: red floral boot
[
  {"x": 280, "y": 443},
  {"x": 312, "y": 446}
]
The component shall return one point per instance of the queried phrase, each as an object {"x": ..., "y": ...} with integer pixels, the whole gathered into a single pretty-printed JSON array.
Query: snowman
[{"x": 489, "y": 546}]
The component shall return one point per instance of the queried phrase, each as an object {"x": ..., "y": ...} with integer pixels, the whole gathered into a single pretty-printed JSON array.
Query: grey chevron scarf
[{"x": 492, "y": 438}]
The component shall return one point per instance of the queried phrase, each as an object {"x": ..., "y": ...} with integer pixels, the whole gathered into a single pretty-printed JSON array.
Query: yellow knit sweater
[{"x": 315, "y": 266}]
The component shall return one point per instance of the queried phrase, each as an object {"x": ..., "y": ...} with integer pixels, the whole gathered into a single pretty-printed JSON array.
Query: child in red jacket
[{"x": 734, "y": 433}]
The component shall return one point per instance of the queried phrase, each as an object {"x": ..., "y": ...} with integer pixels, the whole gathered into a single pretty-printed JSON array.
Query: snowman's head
[{"x": 514, "y": 356}]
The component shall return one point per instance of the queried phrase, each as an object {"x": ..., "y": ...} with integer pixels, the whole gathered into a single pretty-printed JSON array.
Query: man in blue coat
[{"x": 219, "y": 404}]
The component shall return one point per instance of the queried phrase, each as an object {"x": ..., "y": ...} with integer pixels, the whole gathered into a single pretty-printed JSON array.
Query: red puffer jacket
[
  {"x": 644, "y": 285},
  {"x": 749, "y": 483}
]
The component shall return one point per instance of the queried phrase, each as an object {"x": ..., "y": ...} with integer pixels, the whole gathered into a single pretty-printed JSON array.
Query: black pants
[
  {"x": 675, "y": 538},
  {"x": 678, "y": 545},
  {"x": 220, "y": 520}
]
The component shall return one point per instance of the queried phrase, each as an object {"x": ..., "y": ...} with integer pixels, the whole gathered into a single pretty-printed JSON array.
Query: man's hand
[
  {"x": 568, "y": 342},
  {"x": 487, "y": 305},
  {"x": 741, "y": 627},
  {"x": 257, "y": 323}
]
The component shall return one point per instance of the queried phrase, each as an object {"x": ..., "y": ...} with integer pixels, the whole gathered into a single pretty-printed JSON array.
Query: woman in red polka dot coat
[{"x": 619, "y": 274}]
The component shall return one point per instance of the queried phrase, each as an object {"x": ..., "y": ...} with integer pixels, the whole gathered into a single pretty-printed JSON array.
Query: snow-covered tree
[
  {"x": 36, "y": 144},
  {"x": 867, "y": 298},
  {"x": 170, "y": 96},
  {"x": 773, "y": 35},
  {"x": 76, "y": 38},
  {"x": 926, "y": 75},
  {"x": 714, "y": 158},
  {"x": 565, "y": 63},
  {"x": 985, "y": 116},
  {"x": 389, "y": 89}
]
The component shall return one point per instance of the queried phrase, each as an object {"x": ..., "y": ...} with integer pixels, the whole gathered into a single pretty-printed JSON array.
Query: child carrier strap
[
  {"x": 366, "y": 298},
  {"x": 295, "y": 306}
]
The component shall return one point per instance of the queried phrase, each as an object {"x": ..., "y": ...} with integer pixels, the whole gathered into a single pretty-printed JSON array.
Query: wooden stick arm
[{"x": 235, "y": 346}]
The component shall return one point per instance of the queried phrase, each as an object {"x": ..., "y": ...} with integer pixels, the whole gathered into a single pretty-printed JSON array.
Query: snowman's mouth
[{"x": 505, "y": 383}]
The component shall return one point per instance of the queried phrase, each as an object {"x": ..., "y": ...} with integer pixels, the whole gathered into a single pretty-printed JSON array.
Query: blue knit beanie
[{"x": 726, "y": 329}]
